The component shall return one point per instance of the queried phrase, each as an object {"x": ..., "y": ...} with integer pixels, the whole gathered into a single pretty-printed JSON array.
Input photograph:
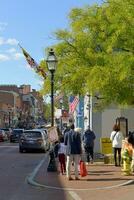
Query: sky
[{"x": 30, "y": 23}]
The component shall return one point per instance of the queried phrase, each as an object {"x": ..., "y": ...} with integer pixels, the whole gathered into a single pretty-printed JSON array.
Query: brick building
[{"x": 19, "y": 104}]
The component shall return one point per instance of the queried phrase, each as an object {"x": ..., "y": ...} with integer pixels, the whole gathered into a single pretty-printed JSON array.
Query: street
[{"x": 16, "y": 167}]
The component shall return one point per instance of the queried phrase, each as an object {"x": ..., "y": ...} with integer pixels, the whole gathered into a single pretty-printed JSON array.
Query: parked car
[
  {"x": 35, "y": 139},
  {"x": 3, "y": 136},
  {"x": 16, "y": 134},
  {"x": 7, "y": 131}
]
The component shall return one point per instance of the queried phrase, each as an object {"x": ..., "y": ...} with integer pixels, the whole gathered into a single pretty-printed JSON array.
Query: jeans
[
  {"x": 62, "y": 163},
  {"x": 89, "y": 152},
  {"x": 72, "y": 158},
  {"x": 119, "y": 156}
]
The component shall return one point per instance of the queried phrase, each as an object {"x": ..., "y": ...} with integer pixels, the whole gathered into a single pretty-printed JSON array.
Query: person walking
[
  {"x": 88, "y": 143},
  {"x": 61, "y": 155},
  {"x": 116, "y": 138},
  {"x": 72, "y": 140}
]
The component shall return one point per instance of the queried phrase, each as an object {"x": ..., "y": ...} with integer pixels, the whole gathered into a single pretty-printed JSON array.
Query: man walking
[
  {"x": 88, "y": 140},
  {"x": 72, "y": 141}
]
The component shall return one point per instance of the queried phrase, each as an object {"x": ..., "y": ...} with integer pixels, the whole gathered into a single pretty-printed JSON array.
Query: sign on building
[{"x": 52, "y": 134}]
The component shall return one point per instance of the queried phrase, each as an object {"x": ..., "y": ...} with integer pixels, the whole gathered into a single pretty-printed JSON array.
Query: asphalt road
[
  {"x": 16, "y": 167},
  {"x": 14, "y": 170}
]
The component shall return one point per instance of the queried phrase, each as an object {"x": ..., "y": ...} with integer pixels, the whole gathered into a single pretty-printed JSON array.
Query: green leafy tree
[
  {"x": 96, "y": 52},
  {"x": 47, "y": 111}
]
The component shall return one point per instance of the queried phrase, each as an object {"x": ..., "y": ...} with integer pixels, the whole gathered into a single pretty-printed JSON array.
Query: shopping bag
[{"x": 83, "y": 170}]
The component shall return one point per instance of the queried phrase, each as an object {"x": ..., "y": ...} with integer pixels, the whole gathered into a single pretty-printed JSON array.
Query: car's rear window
[
  {"x": 5, "y": 129},
  {"x": 17, "y": 131},
  {"x": 32, "y": 134}
]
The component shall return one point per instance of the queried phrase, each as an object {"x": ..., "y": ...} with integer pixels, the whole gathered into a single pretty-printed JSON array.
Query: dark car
[
  {"x": 35, "y": 139},
  {"x": 15, "y": 135}
]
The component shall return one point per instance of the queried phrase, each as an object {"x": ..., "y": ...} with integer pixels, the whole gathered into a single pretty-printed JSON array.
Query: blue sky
[{"x": 31, "y": 23}]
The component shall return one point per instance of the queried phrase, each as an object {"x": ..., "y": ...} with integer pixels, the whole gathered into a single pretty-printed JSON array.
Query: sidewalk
[{"x": 100, "y": 176}]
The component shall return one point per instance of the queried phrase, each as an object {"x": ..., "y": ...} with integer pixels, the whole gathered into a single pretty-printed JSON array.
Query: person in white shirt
[
  {"x": 61, "y": 155},
  {"x": 116, "y": 138}
]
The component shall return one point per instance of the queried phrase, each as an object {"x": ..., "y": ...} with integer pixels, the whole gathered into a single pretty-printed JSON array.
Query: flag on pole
[
  {"x": 73, "y": 101},
  {"x": 33, "y": 63}
]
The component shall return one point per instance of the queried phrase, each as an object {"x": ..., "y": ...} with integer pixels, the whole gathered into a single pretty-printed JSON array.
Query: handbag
[{"x": 83, "y": 170}]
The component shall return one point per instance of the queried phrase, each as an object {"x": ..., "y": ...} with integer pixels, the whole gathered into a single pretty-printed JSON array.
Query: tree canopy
[{"x": 96, "y": 53}]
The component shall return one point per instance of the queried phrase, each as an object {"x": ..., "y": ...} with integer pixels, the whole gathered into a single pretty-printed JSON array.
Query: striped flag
[
  {"x": 33, "y": 63},
  {"x": 73, "y": 101}
]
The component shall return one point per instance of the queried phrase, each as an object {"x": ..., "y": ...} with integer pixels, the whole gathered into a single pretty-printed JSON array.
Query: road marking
[
  {"x": 74, "y": 195},
  {"x": 31, "y": 181}
]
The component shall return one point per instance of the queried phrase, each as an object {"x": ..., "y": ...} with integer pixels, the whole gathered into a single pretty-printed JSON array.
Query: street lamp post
[
  {"x": 51, "y": 64},
  {"x": 61, "y": 104}
]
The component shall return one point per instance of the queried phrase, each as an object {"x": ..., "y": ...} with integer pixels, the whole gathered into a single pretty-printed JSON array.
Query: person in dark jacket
[
  {"x": 88, "y": 141},
  {"x": 72, "y": 140}
]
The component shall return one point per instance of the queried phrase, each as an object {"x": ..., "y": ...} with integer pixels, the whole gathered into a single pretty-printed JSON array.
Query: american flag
[
  {"x": 73, "y": 101},
  {"x": 33, "y": 63}
]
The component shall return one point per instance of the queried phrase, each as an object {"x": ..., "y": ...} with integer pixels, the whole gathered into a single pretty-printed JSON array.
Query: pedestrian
[
  {"x": 88, "y": 143},
  {"x": 61, "y": 155},
  {"x": 116, "y": 138},
  {"x": 66, "y": 130},
  {"x": 127, "y": 155},
  {"x": 72, "y": 140},
  {"x": 131, "y": 141}
]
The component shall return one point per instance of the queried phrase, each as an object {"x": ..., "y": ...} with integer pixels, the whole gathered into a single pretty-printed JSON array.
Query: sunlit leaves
[{"x": 96, "y": 53}]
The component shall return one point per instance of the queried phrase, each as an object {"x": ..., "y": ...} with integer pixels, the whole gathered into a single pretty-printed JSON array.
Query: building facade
[{"x": 19, "y": 105}]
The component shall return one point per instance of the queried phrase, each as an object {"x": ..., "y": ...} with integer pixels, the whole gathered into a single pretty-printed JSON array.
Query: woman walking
[{"x": 116, "y": 138}]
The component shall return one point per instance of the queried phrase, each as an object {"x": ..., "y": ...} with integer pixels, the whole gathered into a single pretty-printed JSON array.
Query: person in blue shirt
[
  {"x": 88, "y": 143},
  {"x": 72, "y": 140}
]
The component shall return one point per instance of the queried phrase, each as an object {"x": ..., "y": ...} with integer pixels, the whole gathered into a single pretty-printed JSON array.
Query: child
[{"x": 61, "y": 155}]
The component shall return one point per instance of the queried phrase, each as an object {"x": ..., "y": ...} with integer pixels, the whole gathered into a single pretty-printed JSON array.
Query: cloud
[
  {"x": 17, "y": 56},
  {"x": 12, "y": 41},
  {"x": 4, "y": 57},
  {"x": 3, "y": 26},
  {"x": 2, "y": 41},
  {"x": 9, "y": 41},
  {"x": 11, "y": 50},
  {"x": 10, "y": 54}
]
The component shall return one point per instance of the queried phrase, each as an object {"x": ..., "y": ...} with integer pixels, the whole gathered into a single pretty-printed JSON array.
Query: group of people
[
  {"x": 123, "y": 149},
  {"x": 70, "y": 148},
  {"x": 73, "y": 144}
]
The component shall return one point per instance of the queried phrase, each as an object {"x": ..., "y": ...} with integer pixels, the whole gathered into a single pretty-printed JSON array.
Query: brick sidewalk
[{"x": 100, "y": 176}]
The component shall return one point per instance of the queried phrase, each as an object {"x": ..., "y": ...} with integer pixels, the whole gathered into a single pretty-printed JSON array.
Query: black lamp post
[
  {"x": 61, "y": 103},
  {"x": 51, "y": 64}
]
